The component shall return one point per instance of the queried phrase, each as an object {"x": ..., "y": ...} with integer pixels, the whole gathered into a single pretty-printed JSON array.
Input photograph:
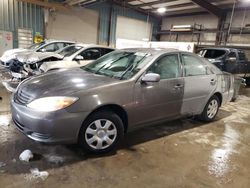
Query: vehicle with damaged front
[
  {"x": 19, "y": 56},
  {"x": 76, "y": 55},
  {"x": 97, "y": 104}
]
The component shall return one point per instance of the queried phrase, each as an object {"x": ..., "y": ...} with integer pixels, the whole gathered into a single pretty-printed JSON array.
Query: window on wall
[
  {"x": 167, "y": 67},
  {"x": 193, "y": 66},
  {"x": 25, "y": 37}
]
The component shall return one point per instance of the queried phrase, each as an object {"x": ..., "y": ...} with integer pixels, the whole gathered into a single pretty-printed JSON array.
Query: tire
[
  {"x": 95, "y": 138},
  {"x": 213, "y": 102}
]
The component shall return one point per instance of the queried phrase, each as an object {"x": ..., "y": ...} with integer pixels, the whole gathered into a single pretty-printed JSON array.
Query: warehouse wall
[
  {"x": 238, "y": 22},
  {"x": 128, "y": 28},
  {"x": 207, "y": 21},
  {"x": 108, "y": 20},
  {"x": 78, "y": 24},
  {"x": 15, "y": 14}
]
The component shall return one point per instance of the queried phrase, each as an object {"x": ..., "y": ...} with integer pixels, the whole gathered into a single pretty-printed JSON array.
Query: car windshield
[
  {"x": 35, "y": 46},
  {"x": 69, "y": 50},
  {"x": 119, "y": 64}
]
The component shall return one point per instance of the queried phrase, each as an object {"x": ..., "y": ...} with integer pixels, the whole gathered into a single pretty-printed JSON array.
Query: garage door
[
  {"x": 79, "y": 25},
  {"x": 128, "y": 28}
]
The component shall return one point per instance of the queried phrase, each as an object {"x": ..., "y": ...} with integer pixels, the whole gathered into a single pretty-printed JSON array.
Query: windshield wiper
[
  {"x": 132, "y": 66},
  {"x": 112, "y": 63}
]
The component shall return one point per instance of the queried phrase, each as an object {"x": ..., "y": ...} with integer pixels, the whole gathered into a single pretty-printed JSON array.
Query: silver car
[
  {"x": 97, "y": 104},
  {"x": 23, "y": 55}
]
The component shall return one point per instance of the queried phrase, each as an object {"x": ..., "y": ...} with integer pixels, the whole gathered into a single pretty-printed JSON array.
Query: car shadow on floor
[{"x": 54, "y": 156}]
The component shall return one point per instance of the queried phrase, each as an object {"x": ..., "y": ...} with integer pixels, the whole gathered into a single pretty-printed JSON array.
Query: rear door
[
  {"x": 163, "y": 99},
  {"x": 200, "y": 82}
]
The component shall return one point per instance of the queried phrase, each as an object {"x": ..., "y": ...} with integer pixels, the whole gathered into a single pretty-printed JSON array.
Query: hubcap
[
  {"x": 212, "y": 108},
  {"x": 101, "y": 134}
]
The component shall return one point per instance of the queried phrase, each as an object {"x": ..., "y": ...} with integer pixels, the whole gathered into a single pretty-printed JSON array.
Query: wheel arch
[
  {"x": 219, "y": 95},
  {"x": 117, "y": 109}
]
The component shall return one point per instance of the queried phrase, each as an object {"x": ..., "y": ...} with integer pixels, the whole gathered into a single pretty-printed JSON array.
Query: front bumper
[{"x": 53, "y": 127}]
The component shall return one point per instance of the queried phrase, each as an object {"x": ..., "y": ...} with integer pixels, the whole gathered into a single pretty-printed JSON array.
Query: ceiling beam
[
  {"x": 209, "y": 7},
  {"x": 45, "y": 4},
  {"x": 175, "y": 6},
  {"x": 126, "y": 5},
  {"x": 154, "y": 3}
]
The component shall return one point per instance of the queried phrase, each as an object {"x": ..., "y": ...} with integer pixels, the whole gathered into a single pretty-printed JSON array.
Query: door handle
[{"x": 178, "y": 86}]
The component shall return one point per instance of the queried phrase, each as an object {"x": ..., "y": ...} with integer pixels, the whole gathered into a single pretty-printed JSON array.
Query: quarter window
[
  {"x": 193, "y": 66},
  {"x": 167, "y": 67}
]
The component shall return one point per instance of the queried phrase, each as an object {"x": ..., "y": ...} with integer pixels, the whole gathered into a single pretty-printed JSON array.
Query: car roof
[
  {"x": 52, "y": 40},
  {"x": 153, "y": 51},
  {"x": 220, "y": 48},
  {"x": 91, "y": 45}
]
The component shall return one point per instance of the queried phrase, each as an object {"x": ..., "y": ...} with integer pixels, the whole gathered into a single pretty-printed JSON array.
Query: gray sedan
[{"x": 97, "y": 104}]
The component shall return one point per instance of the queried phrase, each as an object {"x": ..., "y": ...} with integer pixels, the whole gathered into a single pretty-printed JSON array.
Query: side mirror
[
  {"x": 43, "y": 50},
  {"x": 232, "y": 59},
  {"x": 151, "y": 77},
  {"x": 79, "y": 58}
]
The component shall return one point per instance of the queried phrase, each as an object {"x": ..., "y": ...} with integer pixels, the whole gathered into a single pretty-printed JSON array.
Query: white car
[
  {"x": 77, "y": 55},
  {"x": 24, "y": 54}
]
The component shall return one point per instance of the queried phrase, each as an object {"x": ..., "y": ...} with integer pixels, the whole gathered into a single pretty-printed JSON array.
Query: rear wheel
[
  {"x": 211, "y": 109},
  {"x": 101, "y": 132}
]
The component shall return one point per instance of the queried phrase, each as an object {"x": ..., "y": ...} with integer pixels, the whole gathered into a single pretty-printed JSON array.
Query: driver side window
[
  {"x": 167, "y": 67},
  {"x": 91, "y": 54}
]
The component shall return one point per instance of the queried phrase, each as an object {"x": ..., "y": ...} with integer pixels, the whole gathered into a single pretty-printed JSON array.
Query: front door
[{"x": 163, "y": 99}]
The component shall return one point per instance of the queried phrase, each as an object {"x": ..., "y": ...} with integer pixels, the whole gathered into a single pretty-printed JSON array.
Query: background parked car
[
  {"x": 12, "y": 56},
  {"x": 123, "y": 90},
  {"x": 227, "y": 59},
  {"x": 76, "y": 56}
]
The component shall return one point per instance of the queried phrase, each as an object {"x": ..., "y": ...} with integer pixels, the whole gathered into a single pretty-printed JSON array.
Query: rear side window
[
  {"x": 91, "y": 54},
  {"x": 106, "y": 51},
  {"x": 242, "y": 56},
  {"x": 212, "y": 54},
  {"x": 193, "y": 66},
  {"x": 232, "y": 54}
]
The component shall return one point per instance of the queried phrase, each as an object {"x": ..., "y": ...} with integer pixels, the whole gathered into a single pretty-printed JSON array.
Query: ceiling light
[{"x": 161, "y": 10}]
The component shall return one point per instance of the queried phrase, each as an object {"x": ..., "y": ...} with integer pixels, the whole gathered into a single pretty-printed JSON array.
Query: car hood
[
  {"x": 56, "y": 65},
  {"x": 63, "y": 83},
  {"x": 33, "y": 57},
  {"x": 11, "y": 54}
]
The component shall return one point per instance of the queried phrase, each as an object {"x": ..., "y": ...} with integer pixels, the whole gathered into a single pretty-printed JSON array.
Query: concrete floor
[{"x": 182, "y": 153}]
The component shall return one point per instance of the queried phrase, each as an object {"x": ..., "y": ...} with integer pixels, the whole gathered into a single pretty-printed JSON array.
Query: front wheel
[
  {"x": 211, "y": 109},
  {"x": 101, "y": 132}
]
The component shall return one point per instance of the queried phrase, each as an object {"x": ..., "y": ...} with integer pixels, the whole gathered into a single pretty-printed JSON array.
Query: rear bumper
[{"x": 53, "y": 127}]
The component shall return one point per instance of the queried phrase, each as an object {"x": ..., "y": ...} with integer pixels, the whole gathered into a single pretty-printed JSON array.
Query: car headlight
[{"x": 49, "y": 104}]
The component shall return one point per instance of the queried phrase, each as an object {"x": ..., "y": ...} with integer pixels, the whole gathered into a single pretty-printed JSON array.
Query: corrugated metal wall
[
  {"x": 108, "y": 13},
  {"x": 15, "y": 14}
]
